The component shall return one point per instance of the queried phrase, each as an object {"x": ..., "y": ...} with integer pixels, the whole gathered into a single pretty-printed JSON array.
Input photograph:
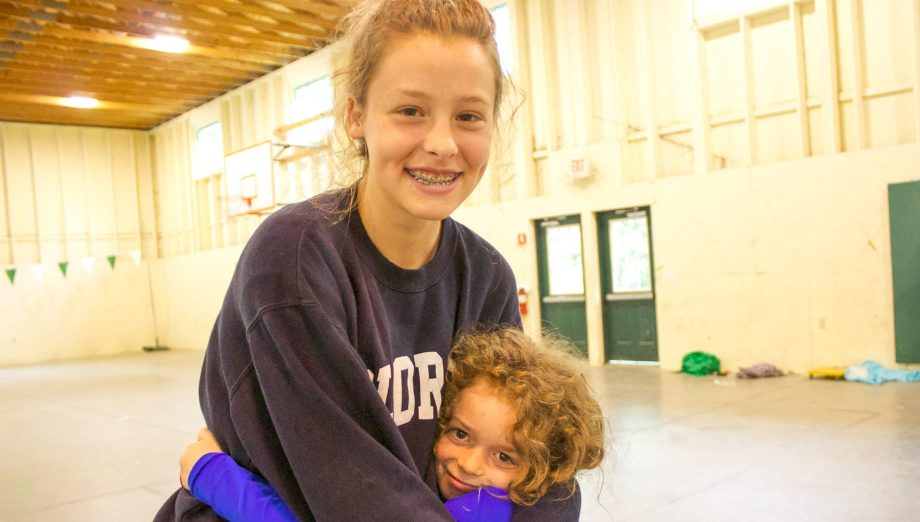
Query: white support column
[
  {"x": 916, "y": 25},
  {"x": 523, "y": 145},
  {"x": 65, "y": 244},
  {"x": 538, "y": 78},
  {"x": 584, "y": 79},
  {"x": 567, "y": 76},
  {"x": 155, "y": 201},
  {"x": 647, "y": 94},
  {"x": 702, "y": 131},
  {"x": 551, "y": 66},
  {"x": 34, "y": 187},
  {"x": 858, "y": 81},
  {"x": 112, "y": 174},
  {"x": 795, "y": 16},
  {"x": 191, "y": 190},
  {"x": 138, "y": 214},
  {"x": 750, "y": 121},
  {"x": 611, "y": 88},
  {"x": 4, "y": 174},
  {"x": 87, "y": 223},
  {"x": 594, "y": 312},
  {"x": 830, "y": 106}
]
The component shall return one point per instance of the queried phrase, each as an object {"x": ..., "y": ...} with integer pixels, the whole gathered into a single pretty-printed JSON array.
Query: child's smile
[{"x": 477, "y": 449}]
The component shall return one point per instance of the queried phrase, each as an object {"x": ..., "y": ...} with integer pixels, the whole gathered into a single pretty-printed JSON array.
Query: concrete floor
[{"x": 98, "y": 440}]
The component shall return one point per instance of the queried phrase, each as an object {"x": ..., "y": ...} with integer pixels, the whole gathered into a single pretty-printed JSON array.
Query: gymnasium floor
[{"x": 98, "y": 439}]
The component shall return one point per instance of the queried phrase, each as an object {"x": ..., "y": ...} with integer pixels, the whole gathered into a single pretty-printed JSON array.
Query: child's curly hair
[{"x": 560, "y": 426}]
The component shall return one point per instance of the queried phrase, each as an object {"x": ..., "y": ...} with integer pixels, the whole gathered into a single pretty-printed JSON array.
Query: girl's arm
[
  {"x": 235, "y": 493},
  {"x": 239, "y": 495},
  {"x": 231, "y": 490}
]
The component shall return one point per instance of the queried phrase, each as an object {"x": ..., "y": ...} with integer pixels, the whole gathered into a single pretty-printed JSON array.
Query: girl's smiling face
[
  {"x": 476, "y": 449},
  {"x": 427, "y": 122}
]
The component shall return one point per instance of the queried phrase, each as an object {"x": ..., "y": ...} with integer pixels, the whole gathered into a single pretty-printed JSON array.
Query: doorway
[
  {"x": 904, "y": 215},
  {"x": 562, "y": 281},
  {"x": 630, "y": 325}
]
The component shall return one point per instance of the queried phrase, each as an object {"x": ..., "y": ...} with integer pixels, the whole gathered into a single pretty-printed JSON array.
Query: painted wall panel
[
  {"x": 6, "y": 245},
  {"x": 890, "y": 120},
  {"x": 100, "y": 193},
  {"x": 814, "y": 57},
  {"x": 775, "y": 142},
  {"x": 724, "y": 54},
  {"x": 48, "y": 198},
  {"x": 888, "y": 32},
  {"x": 20, "y": 188},
  {"x": 844, "y": 44},
  {"x": 146, "y": 193},
  {"x": 73, "y": 185},
  {"x": 672, "y": 50},
  {"x": 773, "y": 49},
  {"x": 124, "y": 188}
]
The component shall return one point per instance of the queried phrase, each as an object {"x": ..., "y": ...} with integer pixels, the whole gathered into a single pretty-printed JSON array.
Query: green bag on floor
[{"x": 700, "y": 363}]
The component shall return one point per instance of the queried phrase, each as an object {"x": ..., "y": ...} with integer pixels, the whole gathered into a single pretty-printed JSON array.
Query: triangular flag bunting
[
  {"x": 63, "y": 267},
  {"x": 111, "y": 261},
  {"x": 11, "y": 273}
]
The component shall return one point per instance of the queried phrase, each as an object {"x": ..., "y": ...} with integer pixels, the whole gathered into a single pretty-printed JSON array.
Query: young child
[{"x": 516, "y": 420}]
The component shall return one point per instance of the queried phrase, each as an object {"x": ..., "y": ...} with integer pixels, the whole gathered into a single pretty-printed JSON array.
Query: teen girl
[
  {"x": 516, "y": 420},
  {"x": 328, "y": 352}
]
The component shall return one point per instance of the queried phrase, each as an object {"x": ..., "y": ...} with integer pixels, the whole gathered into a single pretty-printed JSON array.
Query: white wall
[
  {"x": 189, "y": 290},
  {"x": 787, "y": 263},
  {"x": 69, "y": 194}
]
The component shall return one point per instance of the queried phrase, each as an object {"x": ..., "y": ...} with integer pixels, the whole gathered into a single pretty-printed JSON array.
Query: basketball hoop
[{"x": 249, "y": 181}]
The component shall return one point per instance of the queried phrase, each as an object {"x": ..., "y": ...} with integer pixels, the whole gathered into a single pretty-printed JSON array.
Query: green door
[
  {"x": 562, "y": 281},
  {"x": 904, "y": 213},
  {"x": 630, "y": 328}
]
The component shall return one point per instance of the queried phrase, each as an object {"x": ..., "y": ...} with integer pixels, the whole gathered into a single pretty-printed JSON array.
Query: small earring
[{"x": 361, "y": 147}]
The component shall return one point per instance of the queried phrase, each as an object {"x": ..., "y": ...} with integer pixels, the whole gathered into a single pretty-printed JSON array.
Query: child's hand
[{"x": 206, "y": 443}]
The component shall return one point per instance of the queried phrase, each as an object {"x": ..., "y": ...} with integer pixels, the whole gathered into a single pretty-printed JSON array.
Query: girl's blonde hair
[
  {"x": 560, "y": 426},
  {"x": 365, "y": 33}
]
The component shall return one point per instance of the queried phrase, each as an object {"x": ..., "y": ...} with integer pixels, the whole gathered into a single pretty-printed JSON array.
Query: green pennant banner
[
  {"x": 11, "y": 273},
  {"x": 63, "y": 267},
  {"x": 111, "y": 261}
]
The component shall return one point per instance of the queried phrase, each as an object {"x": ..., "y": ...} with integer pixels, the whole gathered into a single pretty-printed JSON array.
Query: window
[
  {"x": 209, "y": 151},
  {"x": 502, "y": 16},
  {"x": 563, "y": 247},
  {"x": 311, "y": 99},
  {"x": 629, "y": 253}
]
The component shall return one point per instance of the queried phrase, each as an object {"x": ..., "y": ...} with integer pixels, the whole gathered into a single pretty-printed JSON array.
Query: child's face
[
  {"x": 477, "y": 449},
  {"x": 427, "y": 122}
]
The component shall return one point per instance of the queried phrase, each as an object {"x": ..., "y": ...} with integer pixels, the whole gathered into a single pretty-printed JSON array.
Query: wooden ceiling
[{"x": 53, "y": 49}]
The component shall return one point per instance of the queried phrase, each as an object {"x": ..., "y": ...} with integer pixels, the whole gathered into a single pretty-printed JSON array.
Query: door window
[
  {"x": 563, "y": 246},
  {"x": 630, "y": 262}
]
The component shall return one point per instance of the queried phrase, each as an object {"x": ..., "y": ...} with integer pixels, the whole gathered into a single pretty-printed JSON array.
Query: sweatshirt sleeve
[
  {"x": 313, "y": 424},
  {"x": 234, "y": 492}
]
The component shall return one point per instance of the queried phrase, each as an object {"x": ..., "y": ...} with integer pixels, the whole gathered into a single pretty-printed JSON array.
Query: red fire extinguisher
[{"x": 522, "y": 300}]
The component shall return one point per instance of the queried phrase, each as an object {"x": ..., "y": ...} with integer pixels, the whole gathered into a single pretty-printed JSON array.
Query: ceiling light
[
  {"x": 168, "y": 44},
  {"x": 80, "y": 102}
]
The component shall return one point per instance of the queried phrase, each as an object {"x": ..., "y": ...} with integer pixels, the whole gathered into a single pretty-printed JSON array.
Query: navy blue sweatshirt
[{"x": 323, "y": 373}]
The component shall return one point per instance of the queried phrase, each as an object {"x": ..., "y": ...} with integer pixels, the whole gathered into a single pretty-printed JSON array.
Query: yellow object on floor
[{"x": 828, "y": 372}]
